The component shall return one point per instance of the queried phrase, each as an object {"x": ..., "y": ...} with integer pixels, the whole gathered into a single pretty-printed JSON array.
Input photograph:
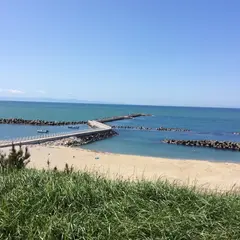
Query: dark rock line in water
[
  {"x": 116, "y": 118},
  {"x": 221, "y": 145},
  {"x": 79, "y": 141},
  {"x": 163, "y": 129},
  {"x": 39, "y": 122},
  {"x": 149, "y": 128},
  {"x": 93, "y": 138}
]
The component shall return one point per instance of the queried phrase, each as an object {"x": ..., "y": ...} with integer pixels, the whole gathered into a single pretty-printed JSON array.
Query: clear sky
[{"x": 160, "y": 52}]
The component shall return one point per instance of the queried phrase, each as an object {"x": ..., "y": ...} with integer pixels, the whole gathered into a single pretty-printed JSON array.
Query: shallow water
[
  {"x": 204, "y": 123},
  {"x": 8, "y": 131}
]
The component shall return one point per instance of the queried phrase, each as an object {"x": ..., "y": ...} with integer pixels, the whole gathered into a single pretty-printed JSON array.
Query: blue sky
[{"x": 161, "y": 52}]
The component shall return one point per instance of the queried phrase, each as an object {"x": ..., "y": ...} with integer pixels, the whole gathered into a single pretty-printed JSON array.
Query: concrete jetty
[{"x": 96, "y": 129}]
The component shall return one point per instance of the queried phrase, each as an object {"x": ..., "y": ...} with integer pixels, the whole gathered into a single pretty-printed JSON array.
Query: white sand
[{"x": 223, "y": 176}]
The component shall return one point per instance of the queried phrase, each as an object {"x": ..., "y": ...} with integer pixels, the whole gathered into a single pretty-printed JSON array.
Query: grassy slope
[{"x": 48, "y": 205}]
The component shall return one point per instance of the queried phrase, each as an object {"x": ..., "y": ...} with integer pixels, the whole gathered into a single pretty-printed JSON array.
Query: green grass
[{"x": 56, "y": 205}]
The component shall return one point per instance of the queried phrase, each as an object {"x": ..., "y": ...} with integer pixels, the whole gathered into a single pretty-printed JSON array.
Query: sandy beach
[{"x": 213, "y": 175}]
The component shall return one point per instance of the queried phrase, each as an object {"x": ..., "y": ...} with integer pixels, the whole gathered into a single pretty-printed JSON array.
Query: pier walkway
[{"x": 96, "y": 127}]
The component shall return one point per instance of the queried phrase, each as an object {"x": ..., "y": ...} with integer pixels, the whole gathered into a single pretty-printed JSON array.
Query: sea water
[{"x": 204, "y": 123}]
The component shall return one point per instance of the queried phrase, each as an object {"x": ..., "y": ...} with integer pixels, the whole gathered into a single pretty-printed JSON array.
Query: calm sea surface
[{"x": 205, "y": 123}]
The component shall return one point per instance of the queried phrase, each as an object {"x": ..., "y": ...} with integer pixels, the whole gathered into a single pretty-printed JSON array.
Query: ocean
[{"x": 204, "y": 123}]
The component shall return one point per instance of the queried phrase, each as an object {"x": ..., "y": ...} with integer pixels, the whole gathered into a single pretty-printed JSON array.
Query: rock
[
  {"x": 224, "y": 145},
  {"x": 156, "y": 129},
  {"x": 75, "y": 141},
  {"x": 39, "y": 122}
]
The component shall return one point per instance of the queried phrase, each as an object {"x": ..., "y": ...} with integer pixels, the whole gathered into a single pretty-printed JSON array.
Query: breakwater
[
  {"x": 151, "y": 129},
  {"x": 222, "y": 145},
  {"x": 117, "y": 118},
  {"x": 79, "y": 141},
  {"x": 38, "y": 122},
  {"x": 97, "y": 128}
]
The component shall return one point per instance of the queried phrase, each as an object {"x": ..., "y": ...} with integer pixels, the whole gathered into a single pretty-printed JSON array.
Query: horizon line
[{"x": 75, "y": 101}]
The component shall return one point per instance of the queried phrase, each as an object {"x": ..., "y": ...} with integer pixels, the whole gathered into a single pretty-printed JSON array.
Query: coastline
[{"x": 221, "y": 176}]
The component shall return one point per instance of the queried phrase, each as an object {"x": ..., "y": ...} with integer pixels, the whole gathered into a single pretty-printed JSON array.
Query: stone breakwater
[
  {"x": 79, "y": 141},
  {"x": 38, "y": 122},
  {"x": 116, "y": 118},
  {"x": 223, "y": 145},
  {"x": 150, "y": 129}
]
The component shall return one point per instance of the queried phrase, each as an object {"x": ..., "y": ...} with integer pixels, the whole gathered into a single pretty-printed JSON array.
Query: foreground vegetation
[
  {"x": 15, "y": 160},
  {"x": 77, "y": 205}
]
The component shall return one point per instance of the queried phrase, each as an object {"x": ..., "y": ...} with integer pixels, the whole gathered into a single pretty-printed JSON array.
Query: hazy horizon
[{"x": 75, "y": 101}]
